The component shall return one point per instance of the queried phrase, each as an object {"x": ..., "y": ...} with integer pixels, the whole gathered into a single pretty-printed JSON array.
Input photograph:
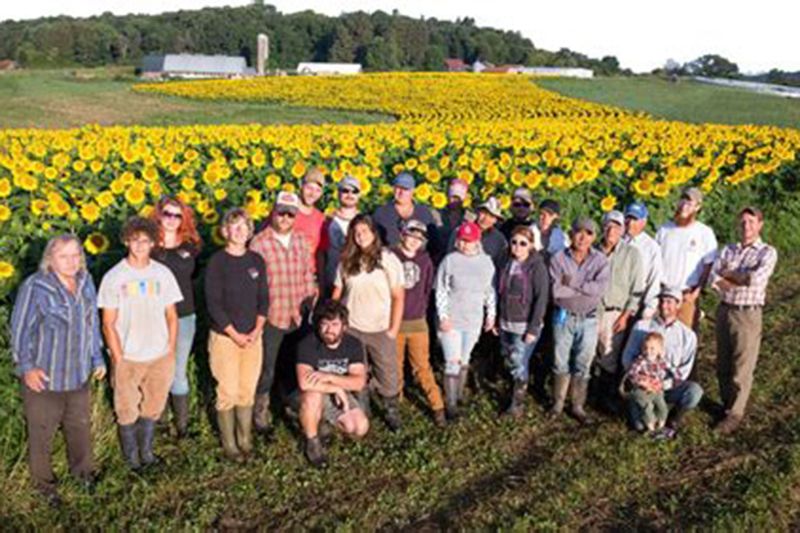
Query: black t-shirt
[
  {"x": 236, "y": 291},
  {"x": 313, "y": 352},
  {"x": 181, "y": 261}
]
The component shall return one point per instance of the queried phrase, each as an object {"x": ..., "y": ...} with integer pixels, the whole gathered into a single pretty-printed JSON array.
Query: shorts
[{"x": 332, "y": 412}]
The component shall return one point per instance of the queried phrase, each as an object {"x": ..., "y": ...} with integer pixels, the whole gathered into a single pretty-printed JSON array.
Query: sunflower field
[{"x": 495, "y": 132}]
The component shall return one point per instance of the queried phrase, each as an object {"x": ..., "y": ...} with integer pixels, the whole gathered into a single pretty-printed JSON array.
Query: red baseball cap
[{"x": 469, "y": 231}]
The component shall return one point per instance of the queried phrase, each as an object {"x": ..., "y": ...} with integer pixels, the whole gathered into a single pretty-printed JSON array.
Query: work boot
[
  {"x": 451, "y": 386},
  {"x": 729, "y": 424},
  {"x": 180, "y": 410},
  {"x": 463, "y": 377},
  {"x": 517, "y": 407},
  {"x": 226, "y": 421},
  {"x": 439, "y": 418},
  {"x": 262, "y": 418},
  {"x": 130, "y": 446},
  {"x": 392, "y": 415},
  {"x": 146, "y": 429},
  {"x": 244, "y": 429},
  {"x": 315, "y": 452},
  {"x": 560, "y": 388},
  {"x": 580, "y": 389}
]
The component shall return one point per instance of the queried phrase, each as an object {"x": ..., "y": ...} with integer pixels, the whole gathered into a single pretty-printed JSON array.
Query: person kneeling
[{"x": 331, "y": 370}]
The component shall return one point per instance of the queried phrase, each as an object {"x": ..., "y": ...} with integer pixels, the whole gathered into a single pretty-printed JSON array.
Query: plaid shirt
[
  {"x": 290, "y": 276},
  {"x": 757, "y": 260}
]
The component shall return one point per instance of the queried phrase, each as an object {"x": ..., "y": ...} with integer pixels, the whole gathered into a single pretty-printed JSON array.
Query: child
[{"x": 645, "y": 379}]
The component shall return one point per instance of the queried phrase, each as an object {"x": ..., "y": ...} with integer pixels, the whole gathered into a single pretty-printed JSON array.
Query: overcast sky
[{"x": 642, "y": 34}]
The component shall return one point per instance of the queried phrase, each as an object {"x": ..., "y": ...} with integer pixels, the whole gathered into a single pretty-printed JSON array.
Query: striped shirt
[
  {"x": 57, "y": 331},
  {"x": 757, "y": 260},
  {"x": 290, "y": 276}
]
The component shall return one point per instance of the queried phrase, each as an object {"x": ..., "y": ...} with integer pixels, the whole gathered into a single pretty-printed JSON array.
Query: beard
[{"x": 331, "y": 339}]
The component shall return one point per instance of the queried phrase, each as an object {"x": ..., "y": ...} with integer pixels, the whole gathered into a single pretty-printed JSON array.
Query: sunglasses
[
  {"x": 288, "y": 214},
  {"x": 516, "y": 242},
  {"x": 170, "y": 214},
  {"x": 349, "y": 191},
  {"x": 520, "y": 204}
]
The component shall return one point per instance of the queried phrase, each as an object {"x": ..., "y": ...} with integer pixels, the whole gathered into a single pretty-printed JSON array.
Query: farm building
[
  {"x": 557, "y": 72},
  {"x": 7, "y": 64},
  {"x": 194, "y": 66},
  {"x": 456, "y": 65},
  {"x": 328, "y": 69}
]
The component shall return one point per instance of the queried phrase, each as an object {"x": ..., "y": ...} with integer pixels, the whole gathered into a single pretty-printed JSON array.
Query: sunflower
[
  {"x": 6, "y": 270},
  {"x": 96, "y": 243},
  {"x": 608, "y": 203}
]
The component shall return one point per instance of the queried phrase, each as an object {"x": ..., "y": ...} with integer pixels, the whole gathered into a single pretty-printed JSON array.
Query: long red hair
[{"x": 187, "y": 231}]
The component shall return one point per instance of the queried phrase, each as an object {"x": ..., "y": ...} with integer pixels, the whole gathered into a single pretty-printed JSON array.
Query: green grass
[
  {"x": 686, "y": 100},
  {"x": 73, "y": 98}
]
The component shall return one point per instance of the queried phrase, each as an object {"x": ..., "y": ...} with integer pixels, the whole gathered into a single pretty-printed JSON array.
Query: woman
[
  {"x": 177, "y": 248},
  {"x": 464, "y": 289},
  {"x": 523, "y": 290},
  {"x": 56, "y": 346},
  {"x": 370, "y": 280},
  {"x": 236, "y": 294}
]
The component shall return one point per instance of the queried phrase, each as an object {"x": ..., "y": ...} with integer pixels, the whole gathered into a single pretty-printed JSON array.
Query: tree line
[{"x": 379, "y": 41}]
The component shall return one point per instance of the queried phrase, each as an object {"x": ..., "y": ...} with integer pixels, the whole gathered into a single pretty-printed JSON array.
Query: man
[
  {"x": 620, "y": 302},
  {"x": 688, "y": 249},
  {"x": 331, "y": 371},
  {"x": 740, "y": 275},
  {"x": 292, "y": 292},
  {"x": 140, "y": 323},
  {"x": 334, "y": 232},
  {"x": 650, "y": 253},
  {"x": 454, "y": 213},
  {"x": 580, "y": 277},
  {"x": 493, "y": 242},
  {"x": 553, "y": 238},
  {"x": 680, "y": 350},
  {"x": 521, "y": 205},
  {"x": 389, "y": 218}
]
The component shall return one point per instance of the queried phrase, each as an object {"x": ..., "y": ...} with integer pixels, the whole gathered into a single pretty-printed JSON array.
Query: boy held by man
[{"x": 643, "y": 386}]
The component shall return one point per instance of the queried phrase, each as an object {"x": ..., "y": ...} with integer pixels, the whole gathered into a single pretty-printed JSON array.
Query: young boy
[
  {"x": 646, "y": 378},
  {"x": 140, "y": 323}
]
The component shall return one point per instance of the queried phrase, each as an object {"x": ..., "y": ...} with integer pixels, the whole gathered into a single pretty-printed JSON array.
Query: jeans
[
  {"x": 517, "y": 354},
  {"x": 457, "y": 347},
  {"x": 685, "y": 396},
  {"x": 187, "y": 326},
  {"x": 576, "y": 343},
  {"x": 648, "y": 408},
  {"x": 272, "y": 341}
]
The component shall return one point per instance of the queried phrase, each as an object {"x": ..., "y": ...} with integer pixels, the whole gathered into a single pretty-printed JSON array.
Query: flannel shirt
[
  {"x": 758, "y": 260},
  {"x": 290, "y": 276}
]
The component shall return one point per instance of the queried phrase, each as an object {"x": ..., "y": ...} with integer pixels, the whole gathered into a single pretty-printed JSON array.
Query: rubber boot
[
  {"x": 560, "y": 388},
  {"x": 517, "y": 407},
  {"x": 579, "y": 391},
  {"x": 262, "y": 417},
  {"x": 180, "y": 410},
  {"x": 463, "y": 377},
  {"x": 130, "y": 445},
  {"x": 146, "y": 430},
  {"x": 244, "y": 429},
  {"x": 392, "y": 406},
  {"x": 226, "y": 421},
  {"x": 451, "y": 386}
]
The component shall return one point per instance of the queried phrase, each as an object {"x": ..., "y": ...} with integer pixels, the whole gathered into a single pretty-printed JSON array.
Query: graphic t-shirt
[
  {"x": 314, "y": 353},
  {"x": 141, "y": 297}
]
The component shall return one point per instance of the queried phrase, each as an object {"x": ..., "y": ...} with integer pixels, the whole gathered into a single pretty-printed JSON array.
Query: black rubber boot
[
  {"x": 451, "y": 396},
  {"x": 392, "y": 407},
  {"x": 180, "y": 410},
  {"x": 130, "y": 445},
  {"x": 146, "y": 430},
  {"x": 517, "y": 407},
  {"x": 262, "y": 417}
]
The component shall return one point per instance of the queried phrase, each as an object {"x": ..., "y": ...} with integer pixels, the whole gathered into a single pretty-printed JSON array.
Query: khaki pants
[
  {"x": 236, "y": 370},
  {"x": 419, "y": 356},
  {"x": 738, "y": 343},
  {"x": 689, "y": 315},
  {"x": 382, "y": 357},
  {"x": 141, "y": 389},
  {"x": 609, "y": 345}
]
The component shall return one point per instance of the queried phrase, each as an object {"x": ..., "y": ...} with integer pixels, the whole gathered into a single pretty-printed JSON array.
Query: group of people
[{"x": 319, "y": 312}]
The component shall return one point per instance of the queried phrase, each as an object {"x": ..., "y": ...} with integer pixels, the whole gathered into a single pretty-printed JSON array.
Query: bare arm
[
  {"x": 171, "y": 313},
  {"x": 398, "y": 301},
  {"x": 110, "y": 333}
]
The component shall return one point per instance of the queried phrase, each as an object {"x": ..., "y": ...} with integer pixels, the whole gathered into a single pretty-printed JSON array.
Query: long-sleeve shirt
[
  {"x": 290, "y": 276},
  {"x": 417, "y": 281},
  {"x": 757, "y": 260},
  {"x": 652, "y": 266},
  {"x": 57, "y": 331},
  {"x": 587, "y": 281},
  {"x": 236, "y": 291},
  {"x": 626, "y": 281},
  {"x": 648, "y": 375},
  {"x": 390, "y": 224},
  {"x": 464, "y": 289},
  {"x": 680, "y": 347}
]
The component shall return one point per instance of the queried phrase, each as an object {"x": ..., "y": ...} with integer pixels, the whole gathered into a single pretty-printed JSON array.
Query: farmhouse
[
  {"x": 456, "y": 65},
  {"x": 328, "y": 69},
  {"x": 194, "y": 66}
]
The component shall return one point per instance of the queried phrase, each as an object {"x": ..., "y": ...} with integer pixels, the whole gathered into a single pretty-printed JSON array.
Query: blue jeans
[
  {"x": 576, "y": 344},
  {"x": 186, "y": 330},
  {"x": 457, "y": 347},
  {"x": 517, "y": 354}
]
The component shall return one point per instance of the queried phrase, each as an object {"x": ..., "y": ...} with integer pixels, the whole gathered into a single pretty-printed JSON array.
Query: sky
[{"x": 642, "y": 34}]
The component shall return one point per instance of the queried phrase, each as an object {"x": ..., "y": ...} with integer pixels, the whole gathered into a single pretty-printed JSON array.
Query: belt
[
  {"x": 612, "y": 309},
  {"x": 742, "y": 307},
  {"x": 590, "y": 314}
]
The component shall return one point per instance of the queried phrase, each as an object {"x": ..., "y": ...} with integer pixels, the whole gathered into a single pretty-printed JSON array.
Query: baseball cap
[
  {"x": 550, "y": 205},
  {"x": 636, "y": 210},
  {"x": 492, "y": 205},
  {"x": 469, "y": 231},
  {"x": 458, "y": 188},
  {"x": 671, "y": 292},
  {"x": 584, "y": 223},
  {"x": 523, "y": 194},
  {"x": 287, "y": 202},
  {"x": 753, "y": 210},
  {"x": 694, "y": 194},
  {"x": 614, "y": 216},
  {"x": 349, "y": 182},
  {"x": 314, "y": 175},
  {"x": 404, "y": 181},
  {"x": 416, "y": 226}
]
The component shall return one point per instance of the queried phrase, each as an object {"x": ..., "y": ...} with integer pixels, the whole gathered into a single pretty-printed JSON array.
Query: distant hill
[
  {"x": 778, "y": 77},
  {"x": 379, "y": 41}
]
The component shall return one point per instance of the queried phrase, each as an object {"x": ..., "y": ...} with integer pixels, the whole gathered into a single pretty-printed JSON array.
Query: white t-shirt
[
  {"x": 368, "y": 296},
  {"x": 284, "y": 239},
  {"x": 141, "y": 298},
  {"x": 686, "y": 251}
]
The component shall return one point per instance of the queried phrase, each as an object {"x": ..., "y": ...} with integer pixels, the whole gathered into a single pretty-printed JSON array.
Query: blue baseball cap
[
  {"x": 636, "y": 210},
  {"x": 404, "y": 181}
]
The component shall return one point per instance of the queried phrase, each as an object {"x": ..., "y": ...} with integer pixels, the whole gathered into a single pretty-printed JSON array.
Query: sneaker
[
  {"x": 667, "y": 433},
  {"x": 315, "y": 453}
]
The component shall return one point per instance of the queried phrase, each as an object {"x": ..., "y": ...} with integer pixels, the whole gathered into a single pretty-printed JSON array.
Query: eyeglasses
[
  {"x": 521, "y": 204},
  {"x": 286, "y": 214},
  {"x": 516, "y": 242},
  {"x": 170, "y": 214}
]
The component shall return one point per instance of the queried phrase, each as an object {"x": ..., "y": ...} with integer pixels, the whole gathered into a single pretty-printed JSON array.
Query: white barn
[
  {"x": 194, "y": 66},
  {"x": 328, "y": 69}
]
